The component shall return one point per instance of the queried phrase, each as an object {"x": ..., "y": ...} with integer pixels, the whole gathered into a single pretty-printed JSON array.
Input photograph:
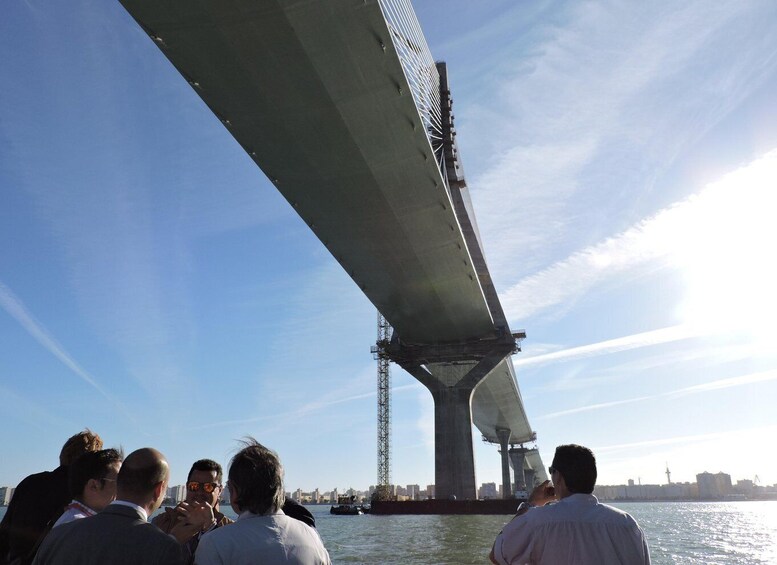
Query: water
[
  {"x": 678, "y": 533},
  {"x": 714, "y": 533}
]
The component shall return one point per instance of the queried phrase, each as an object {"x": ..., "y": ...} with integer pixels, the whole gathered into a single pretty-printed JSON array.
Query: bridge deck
[{"x": 316, "y": 95}]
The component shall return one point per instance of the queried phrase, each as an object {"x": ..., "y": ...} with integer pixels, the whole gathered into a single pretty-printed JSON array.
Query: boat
[{"x": 347, "y": 506}]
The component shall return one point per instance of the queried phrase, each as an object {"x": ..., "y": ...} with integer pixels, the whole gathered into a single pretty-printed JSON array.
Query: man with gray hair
[{"x": 262, "y": 533}]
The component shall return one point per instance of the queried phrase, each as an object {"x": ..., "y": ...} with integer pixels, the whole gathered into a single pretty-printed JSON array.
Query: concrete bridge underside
[{"x": 316, "y": 95}]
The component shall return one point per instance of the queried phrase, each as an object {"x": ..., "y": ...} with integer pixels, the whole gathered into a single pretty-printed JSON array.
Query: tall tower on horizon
[{"x": 668, "y": 474}]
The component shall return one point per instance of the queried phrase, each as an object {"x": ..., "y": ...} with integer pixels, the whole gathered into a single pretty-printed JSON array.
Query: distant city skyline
[
  {"x": 178, "y": 491},
  {"x": 622, "y": 159}
]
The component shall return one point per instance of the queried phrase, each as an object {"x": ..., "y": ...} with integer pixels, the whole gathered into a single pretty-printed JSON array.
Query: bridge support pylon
[
  {"x": 452, "y": 372},
  {"x": 518, "y": 457},
  {"x": 530, "y": 475},
  {"x": 504, "y": 440}
]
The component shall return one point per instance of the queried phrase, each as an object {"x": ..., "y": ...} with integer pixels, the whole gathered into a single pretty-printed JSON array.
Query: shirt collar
[
  {"x": 140, "y": 509},
  {"x": 249, "y": 514},
  {"x": 78, "y": 505},
  {"x": 580, "y": 498}
]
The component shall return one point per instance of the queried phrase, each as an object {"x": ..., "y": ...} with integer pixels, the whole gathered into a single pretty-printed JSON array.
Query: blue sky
[{"x": 155, "y": 287}]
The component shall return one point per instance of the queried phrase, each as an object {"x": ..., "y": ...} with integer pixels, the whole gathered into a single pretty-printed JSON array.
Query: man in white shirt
[
  {"x": 576, "y": 530},
  {"x": 92, "y": 483},
  {"x": 262, "y": 533}
]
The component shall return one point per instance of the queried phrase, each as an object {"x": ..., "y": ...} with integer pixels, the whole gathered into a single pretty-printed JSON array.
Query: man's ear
[
  {"x": 159, "y": 489},
  {"x": 94, "y": 484}
]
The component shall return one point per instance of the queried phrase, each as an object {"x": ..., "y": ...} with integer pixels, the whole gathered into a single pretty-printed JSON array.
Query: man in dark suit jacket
[
  {"x": 120, "y": 534},
  {"x": 39, "y": 500}
]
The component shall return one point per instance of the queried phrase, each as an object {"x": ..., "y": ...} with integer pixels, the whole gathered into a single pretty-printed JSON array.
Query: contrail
[
  {"x": 644, "y": 339},
  {"x": 17, "y": 310},
  {"x": 302, "y": 410},
  {"x": 713, "y": 385}
]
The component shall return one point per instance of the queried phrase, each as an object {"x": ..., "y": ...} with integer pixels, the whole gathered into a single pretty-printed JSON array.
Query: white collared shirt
[
  {"x": 254, "y": 538},
  {"x": 577, "y": 530},
  {"x": 140, "y": 509},
  {"x": 75, "y": 511}
]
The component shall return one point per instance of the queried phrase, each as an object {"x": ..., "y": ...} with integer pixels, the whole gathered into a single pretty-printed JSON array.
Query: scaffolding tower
[{"x": 380, "y": 353}]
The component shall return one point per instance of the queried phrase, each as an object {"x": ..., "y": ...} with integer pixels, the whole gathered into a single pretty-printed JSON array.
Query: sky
[{"x": 622, "y": 161}]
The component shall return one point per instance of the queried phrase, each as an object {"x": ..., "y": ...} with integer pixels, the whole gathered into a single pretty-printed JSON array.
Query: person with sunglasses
[
  {"x": 565, "y": 523},
  {"x": 203, "y": 492}
]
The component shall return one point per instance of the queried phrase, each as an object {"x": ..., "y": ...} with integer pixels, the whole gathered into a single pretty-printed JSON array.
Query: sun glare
[{"x": 727, "y": 256}]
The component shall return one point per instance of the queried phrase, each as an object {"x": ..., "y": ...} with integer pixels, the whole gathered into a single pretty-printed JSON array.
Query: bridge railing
[{"x": 420, "y": 69}]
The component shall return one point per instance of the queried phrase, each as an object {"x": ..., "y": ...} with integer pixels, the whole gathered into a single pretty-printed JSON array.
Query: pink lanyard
[{"x": 75, "y": 505}]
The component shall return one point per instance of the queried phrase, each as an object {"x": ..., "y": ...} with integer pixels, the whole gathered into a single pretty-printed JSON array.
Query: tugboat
[{"x": 346, "y": 506}]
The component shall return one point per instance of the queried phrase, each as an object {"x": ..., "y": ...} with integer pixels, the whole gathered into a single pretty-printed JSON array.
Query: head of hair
[
  {"x": 91, "y": 465},
  {"x": 141, "y": 471},
  {"x": 257, "y": 475},
  {"x": 79, "y": 444},
  {"x": 206, "y": 465},
  {"x": 577, "y": 465}
]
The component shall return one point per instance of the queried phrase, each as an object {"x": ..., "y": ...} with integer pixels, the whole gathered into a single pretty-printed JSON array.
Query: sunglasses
[{"x": 194, "y": 486}]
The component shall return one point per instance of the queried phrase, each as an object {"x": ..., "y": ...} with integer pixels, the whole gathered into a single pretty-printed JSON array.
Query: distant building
[
  {"x": 713, "y": 486},
  {"x": 6, "y": 493},
  {"x": 487, "y": 491},
  {"x": 413, "y": 492},
  {"x": 429, "y": 491},
  {"x": 674, "y": 491},
  {"x": 316, "y": 496},
  {"x": 176, "y": 494}
]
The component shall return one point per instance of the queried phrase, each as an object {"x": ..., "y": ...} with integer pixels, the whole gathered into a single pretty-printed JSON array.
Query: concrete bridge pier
[
  {"x": 518, "y": 459},
  {"x": 452, "y": 384},
  {"x": 530, "y": 476},
  {"x": 504, "y": 439}
]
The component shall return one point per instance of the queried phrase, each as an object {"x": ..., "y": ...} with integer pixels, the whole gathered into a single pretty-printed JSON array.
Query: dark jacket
[
  {"x": 298, "y": 512},
  {"x": 117, "y": 536},
  {"x": 38, "y": 500}
]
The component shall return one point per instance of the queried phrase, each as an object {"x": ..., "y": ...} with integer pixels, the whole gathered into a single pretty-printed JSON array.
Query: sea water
[
  {"x": 709, "y": 533},
  {"x": 677, "y": 533}
]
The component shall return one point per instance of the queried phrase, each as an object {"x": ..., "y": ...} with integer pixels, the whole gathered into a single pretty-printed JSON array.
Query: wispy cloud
[
  {"x": 16, "y": 309},
  {"x": 742, "y": 380},
  {"x": 766, "y": 431},
  {"x": 643, "y": 339},
  {"x": 304, "y": 410},
  {"x": 662, "y": 237},
  {"x": 584, "y": 120}
]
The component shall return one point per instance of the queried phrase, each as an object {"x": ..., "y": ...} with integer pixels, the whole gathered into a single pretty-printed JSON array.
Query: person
[
  {"x": 92, "y": 483},
  {"x": 262, "y": 533},
  {"x": 121, "y": 533},
  {"x": 575, "y": 530},
  {"x": 39, "y": 500},
  {"x": 203, "y": 488}
]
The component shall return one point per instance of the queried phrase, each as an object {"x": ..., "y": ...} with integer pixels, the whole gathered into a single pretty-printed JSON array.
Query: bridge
[{"x": 343, "y": 108}]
